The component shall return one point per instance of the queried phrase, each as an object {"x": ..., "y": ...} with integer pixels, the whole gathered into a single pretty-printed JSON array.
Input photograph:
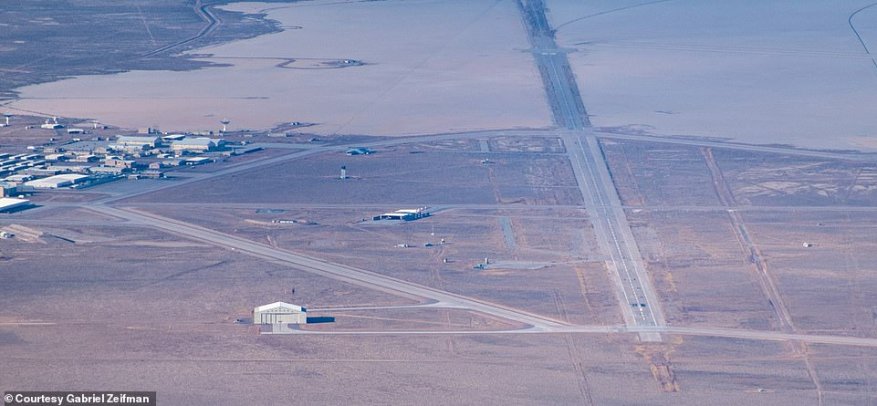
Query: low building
[
  {"x": 404, "y": 214},
  {"x": 359, "y": 151},
  {"x": 8, "y": 204},
  {"x": 280, "y": 313},
  {"x": 69, "y": 168},
  {"x": 85, "y": 158},
  {"x": 57, "y": 181},
  {"x": 152, "y": 174},
  {"x": 37, "y": 172},
  {"x": 8, "y": 189},
  {"x": 75, "y": 131},
  {"x": 241, "y": 151},
  {"x": 84, "y": 147},
  {"x": 57, "y": 157},
  {"x": 108, "y": 170},
  {"x": 119, "y": 162},
  {"x": 18, "y": 178},
  {"x": 196, "y": 145},
  {"x": 173, "y": 137},
  {"x": 198, "y": 160},
  {"x": 135, "y": 143}
]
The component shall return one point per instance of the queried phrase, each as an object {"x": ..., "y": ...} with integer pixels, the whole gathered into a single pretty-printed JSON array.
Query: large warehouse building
[
  {"x": 280, "y": 313},
  {"x": 57, "y": 181},
  {"x": 195, "y": 144},
  {"x": 8, "y": 204},
  {"x": 404, "y": 214},
  {"x": 130, "y": 142}
]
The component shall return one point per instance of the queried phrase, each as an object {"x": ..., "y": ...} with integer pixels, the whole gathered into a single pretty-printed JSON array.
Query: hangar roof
[{"x": 281, "y": 306}]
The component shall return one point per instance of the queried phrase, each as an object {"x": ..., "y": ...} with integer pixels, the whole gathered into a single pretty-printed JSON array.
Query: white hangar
[{"x": 280, "y": 313}]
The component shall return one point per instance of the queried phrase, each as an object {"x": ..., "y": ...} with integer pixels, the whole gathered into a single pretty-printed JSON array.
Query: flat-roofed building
[
  {"x": 173, "y": 137},
  {"x": 198, "y": 160},
  {"x": 8, "y": 189},
  {"x": 57, "y": 157},
  {"x": 196, "y": 144},
  {"x": 85, "y": 158},
  {"x": 404, "y": 214},
  {"x": 359, "y": 151},
  {"x": 8, "y": 204},
  {"x": 108, "y": 170},
  {"x": 69, "y": 168},
  {"x": 132, "y": 142},
  {"x": 37, "y": 172},
  {"x": 18, "y": 178},
  {"x": 86, "y": 147},
  {"x": 57, "y": 181},
  {"x": 152, "y": 174},
  {"x": 119, "y": 162}
]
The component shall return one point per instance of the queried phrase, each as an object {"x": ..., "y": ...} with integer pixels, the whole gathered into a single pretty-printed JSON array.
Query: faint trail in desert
[
  {"x": 205, "y": 14},
  {"x": 859, "y": 36},
  {"x": 614, "y": 10},
  {"x": 784, "y": 317},
  {"x": 145, "y": 24}
]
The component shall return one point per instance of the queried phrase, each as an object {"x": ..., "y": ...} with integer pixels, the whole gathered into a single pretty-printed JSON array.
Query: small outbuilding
[
  {"x": 280, "y": 313},
  {"x": 359, "y": 151}
]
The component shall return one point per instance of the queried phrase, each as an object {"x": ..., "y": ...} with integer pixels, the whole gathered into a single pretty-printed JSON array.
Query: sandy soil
[
  {"x": 155, "y": 319},
  {"x": 399, "y": 175}
]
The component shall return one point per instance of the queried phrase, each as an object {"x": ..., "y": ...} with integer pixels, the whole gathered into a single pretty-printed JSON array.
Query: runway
[{"x": 638, "y": 298}]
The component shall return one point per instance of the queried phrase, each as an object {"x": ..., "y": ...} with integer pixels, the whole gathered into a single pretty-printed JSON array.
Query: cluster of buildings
[{"x": 84, "y": 163}]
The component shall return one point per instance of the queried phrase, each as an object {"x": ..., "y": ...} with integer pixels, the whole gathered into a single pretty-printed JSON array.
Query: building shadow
[{"x": 321, "y": 319}]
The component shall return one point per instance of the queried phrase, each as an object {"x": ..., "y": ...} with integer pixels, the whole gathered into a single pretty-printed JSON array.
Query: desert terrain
[{"x": 581, "y": 246}]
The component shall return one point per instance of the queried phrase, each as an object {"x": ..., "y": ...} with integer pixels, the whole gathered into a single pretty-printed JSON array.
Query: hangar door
[{"x": 271, "y": 318}]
